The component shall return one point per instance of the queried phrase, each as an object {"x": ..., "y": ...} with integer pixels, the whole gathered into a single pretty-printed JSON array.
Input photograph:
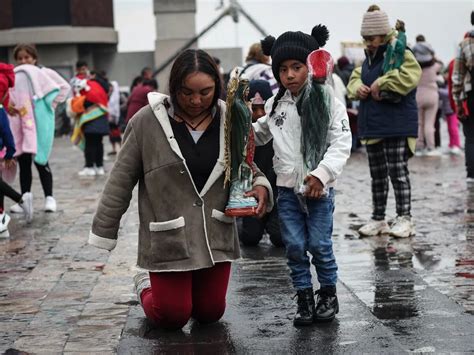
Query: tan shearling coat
[{"x": 181, "y": 229}]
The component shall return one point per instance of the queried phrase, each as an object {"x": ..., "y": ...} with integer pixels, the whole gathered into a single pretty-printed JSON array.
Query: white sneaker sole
[
  {"x": 409, "y": 235},
  {"x": 375, "y": 233},
  {"x": 16, "y": 209}
]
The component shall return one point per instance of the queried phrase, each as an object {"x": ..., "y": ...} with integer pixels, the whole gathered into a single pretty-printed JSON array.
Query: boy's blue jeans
[{"x": 311, "y": 232}]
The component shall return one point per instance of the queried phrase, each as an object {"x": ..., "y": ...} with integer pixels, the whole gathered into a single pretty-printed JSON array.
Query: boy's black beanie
[{"x": 293, "y": 45}]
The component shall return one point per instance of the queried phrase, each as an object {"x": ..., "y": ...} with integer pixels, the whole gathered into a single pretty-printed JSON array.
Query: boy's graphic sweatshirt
[{"x": 284, "y": 126}]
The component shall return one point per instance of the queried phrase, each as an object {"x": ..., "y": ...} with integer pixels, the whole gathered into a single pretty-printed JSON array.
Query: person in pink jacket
[
  {"x": 427, "y": 97},
  {"x": 33, "y": 82}
]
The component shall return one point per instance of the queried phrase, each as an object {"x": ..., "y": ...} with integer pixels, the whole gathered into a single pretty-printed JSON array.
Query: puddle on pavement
[
  {"x": 388, "y": 269},
  {"x": 394, "y": 296},
  {"x": 212, "y": 338}
]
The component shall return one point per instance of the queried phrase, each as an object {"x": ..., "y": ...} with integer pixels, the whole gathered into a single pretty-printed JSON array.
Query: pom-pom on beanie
[
  {"x": 375, "y": 22},
  {"x": 293, "y": 45}
]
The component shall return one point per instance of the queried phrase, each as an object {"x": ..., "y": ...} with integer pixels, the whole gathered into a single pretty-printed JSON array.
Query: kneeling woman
[{"x": 174, "y": 148}]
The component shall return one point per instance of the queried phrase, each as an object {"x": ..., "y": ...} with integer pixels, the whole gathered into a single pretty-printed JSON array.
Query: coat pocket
[
  {"x": 168, "y": 240},
  {"x": 221, "y": 217},
  {"x": 221, "y": 231}
]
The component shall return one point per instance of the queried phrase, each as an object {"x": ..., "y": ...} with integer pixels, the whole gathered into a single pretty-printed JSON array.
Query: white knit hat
[
  {"x": 423, "y": 52},
  {"x": 375, "y": 23}
]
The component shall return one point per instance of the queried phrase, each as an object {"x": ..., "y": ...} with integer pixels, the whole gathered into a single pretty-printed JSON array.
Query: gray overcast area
[{"x": 442, "y": 22}]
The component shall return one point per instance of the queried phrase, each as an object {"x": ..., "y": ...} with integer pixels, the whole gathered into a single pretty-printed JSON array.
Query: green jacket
[{"x": 401, "y": 80}]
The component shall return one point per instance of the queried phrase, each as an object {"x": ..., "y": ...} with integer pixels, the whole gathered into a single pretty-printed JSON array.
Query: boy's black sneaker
[
  {"x": 327, "y": 305},
  {"x": 306, "y": 309}
]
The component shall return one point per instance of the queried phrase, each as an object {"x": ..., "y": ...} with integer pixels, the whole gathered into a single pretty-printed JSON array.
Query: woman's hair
[
  {"x": 137, "y": 80},
  {"x": 151, "y": 82},
  {"x": 256, "y": 53},
  {"x": 101, "y": 73},
  {"x": 427, "y": 64},
  {"x": 420, "y": 38},
  {"x": 144, "y": 70},
  {"x": 28, "y": 48},
  {"x": 81, "y": 63},
  {"x": 191, "y": 61}
]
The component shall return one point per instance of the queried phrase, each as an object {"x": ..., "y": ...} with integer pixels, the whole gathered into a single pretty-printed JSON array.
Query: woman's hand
[
  {"x": 12, "y": 111},
  {"x": 363, "y": 91},
  {"x": 261, "y": 194},
  {"x": 314, "y": 187},
  {"x": 460, "y": 111},
  {"x": 10, "y": 163}
]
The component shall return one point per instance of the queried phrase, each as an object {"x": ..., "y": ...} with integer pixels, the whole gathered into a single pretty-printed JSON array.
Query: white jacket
[
  {"x": 285, "y": 129},
  {"x": 261, "y": 71}
]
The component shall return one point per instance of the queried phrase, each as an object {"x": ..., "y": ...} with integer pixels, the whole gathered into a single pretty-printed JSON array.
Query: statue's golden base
[{"x": 241, "y": 212}]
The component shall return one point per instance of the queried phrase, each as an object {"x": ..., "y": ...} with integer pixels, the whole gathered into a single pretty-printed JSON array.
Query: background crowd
[{"x": 90, "y": 106}]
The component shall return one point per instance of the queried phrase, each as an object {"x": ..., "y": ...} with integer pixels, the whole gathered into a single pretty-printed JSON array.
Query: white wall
[{"x": 124, "y": 67}]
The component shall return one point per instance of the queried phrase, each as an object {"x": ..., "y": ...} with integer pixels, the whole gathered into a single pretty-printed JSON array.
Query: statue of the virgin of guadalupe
[{"x": 240, "y": 148}]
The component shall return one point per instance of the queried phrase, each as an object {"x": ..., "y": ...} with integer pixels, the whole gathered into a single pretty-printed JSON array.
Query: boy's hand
[
  {"x": 314, "y": 187},
  {"x": 375, "y": 90},
  {"x": 10, "y": 163},
  {"x": 261, "y": 194},
  {"x": 363, "y": 91}
]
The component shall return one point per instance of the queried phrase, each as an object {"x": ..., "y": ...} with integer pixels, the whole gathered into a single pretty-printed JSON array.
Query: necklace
[{"x": 191, "y": 126}]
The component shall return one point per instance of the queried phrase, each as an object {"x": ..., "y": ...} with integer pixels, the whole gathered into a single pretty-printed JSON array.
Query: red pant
[{"x": 175, "y": 297}]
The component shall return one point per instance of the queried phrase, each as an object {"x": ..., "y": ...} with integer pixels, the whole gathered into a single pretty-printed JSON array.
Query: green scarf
[
  {"x": 395, "y": 53},
  {"x": 314, "y": 108}
]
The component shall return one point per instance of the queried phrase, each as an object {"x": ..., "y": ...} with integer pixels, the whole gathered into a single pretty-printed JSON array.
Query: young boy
[
  {"x": 388, "y": 129},
  {"x": 306, "y": 220}
]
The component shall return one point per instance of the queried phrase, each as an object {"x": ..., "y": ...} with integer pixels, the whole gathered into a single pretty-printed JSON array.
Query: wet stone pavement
[{"x": 60, "y": 295}]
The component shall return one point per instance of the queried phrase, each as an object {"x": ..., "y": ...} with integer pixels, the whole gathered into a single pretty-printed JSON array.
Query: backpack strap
[{"x": 245, "y": 68}]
